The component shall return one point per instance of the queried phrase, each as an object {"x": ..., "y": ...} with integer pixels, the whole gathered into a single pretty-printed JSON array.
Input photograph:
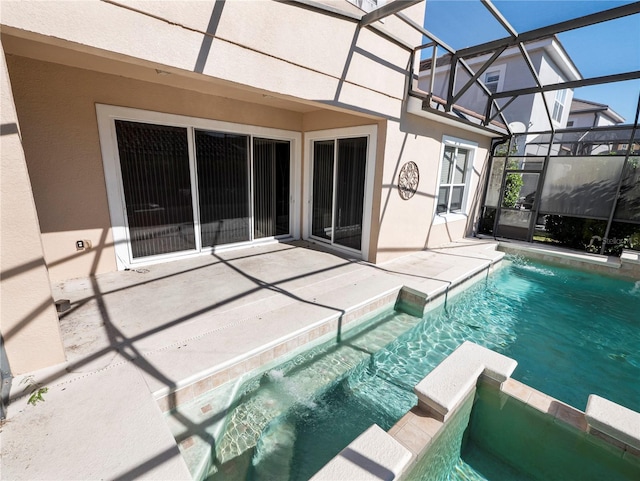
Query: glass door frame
[
  {"x": 536, "y": 201},
  {"x": 369, "y": 131},
  {"x": 106, "y": 116}
]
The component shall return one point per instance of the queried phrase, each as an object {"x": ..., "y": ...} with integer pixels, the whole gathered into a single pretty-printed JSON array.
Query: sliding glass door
[
  {"x": 349, "y": 203},
  {"x": 338, "y": 187},
  {"x": 156, "y": 183},
  {"x": 271, "y": 187},
  {"x": 223, "y": 187},
  {"x": 186, "y": 189},
  {"x": 323, "y": 173}
]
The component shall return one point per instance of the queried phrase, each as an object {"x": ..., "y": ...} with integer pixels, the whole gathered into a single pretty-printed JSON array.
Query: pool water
[
  {"x": 572, "y": 334},
  {"x": 504, "y": 433}
]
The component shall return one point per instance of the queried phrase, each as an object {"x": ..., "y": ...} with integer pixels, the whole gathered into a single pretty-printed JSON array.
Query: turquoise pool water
[{"x": 572, "y": 334}]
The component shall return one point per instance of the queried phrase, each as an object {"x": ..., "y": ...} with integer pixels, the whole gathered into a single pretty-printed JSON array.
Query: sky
[{"x": 603, "y": 49}]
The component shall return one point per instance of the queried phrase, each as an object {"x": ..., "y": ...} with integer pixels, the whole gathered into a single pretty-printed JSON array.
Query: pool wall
[
  {"x": 417, "y": 303},
  {"x": 601, "y": 443},
  {"x": 403, "y": 298},
  {"x": 323, "y": 330},
  {"x": 557, "y": 442},
  {"x": 627, "y": 266}
]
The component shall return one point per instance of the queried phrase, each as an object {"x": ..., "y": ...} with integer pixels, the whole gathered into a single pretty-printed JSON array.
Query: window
[
  {"x": 491, "y": 80},
  {"x": 558, "y": 105},
  {"x": 455, "y": 168}
]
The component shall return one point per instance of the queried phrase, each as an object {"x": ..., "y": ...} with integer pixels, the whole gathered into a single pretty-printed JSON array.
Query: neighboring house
[
  {"x": 584, "y": 116},
  {"x": 135, "y": 134},
  {"x": 508, "y": 72},
  {"x": 585, "y": 113}
]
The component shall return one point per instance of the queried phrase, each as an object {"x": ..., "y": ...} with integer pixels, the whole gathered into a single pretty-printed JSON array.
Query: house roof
[{"x": 581, "y": 106}]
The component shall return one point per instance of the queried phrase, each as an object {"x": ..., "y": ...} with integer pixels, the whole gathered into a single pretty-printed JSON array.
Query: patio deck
[{"x": 132, "y": 337}]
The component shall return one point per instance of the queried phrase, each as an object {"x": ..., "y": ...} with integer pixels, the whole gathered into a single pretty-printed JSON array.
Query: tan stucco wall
[
  {"x": 310, "y": 71},
  {"x": 272, "y": 46},
  {"x": 328, "y": 119},
  {"x": 63, "y": 150},
  {"x": 28, "y": 321},
  {"x": 406, "y": 225}
]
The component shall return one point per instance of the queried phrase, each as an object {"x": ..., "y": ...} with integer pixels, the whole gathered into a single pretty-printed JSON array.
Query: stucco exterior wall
[
  {"x": 267, "y": 45},
  {"x": 406, "y": 225},
  {"x": 63, "y": 148},
  {"x": 29, "y": 323},
  {"x": 590, "y": 119},
  {"x": 604, "y": 121},
  {"x": 241, "y": 44},
  {"x": 584, "y": 120},
  {"x": 550, "y": 73},
  {"x": 517, "y": 75}
]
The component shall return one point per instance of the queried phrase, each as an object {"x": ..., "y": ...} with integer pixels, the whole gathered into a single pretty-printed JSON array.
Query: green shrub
[
  {"x": 512, "y": 186},
  {"x": 574, "y": 232}
]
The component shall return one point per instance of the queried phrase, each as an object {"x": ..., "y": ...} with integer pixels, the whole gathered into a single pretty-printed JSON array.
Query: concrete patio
[{"x": 138, "y": 337}]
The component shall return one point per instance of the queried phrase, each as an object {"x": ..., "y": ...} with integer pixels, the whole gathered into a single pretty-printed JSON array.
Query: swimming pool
[{"x": 572, "y": 334}]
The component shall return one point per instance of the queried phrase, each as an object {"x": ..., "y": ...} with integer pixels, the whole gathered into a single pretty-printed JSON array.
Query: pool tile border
[
  {"x": 408, "y": 300},
  {"x": 416, "y": 430},
  {"x": 322, "y": 331},
  {"x": 169, "y": 401}
]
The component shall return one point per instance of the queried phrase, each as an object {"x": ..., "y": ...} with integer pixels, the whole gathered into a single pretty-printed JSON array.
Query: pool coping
[
  {"x": 442, "y": 392},
  {"x": 115, "y": 388},
  {"x": 406, "y": 298},
  {"x": 199, "y": 383},
  {"x": 252, "y": 298},
  {"x": 460, "y": 374},
  {"x": 373, "y": 455}
]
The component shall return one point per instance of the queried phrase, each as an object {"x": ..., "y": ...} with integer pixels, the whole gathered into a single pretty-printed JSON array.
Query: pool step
[
  {"x": 274, "y": 452},
  {"x": 310, "y": 379}
]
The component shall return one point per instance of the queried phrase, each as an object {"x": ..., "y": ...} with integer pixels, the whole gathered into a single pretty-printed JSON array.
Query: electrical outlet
[{"x": 83, "y": 245}]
